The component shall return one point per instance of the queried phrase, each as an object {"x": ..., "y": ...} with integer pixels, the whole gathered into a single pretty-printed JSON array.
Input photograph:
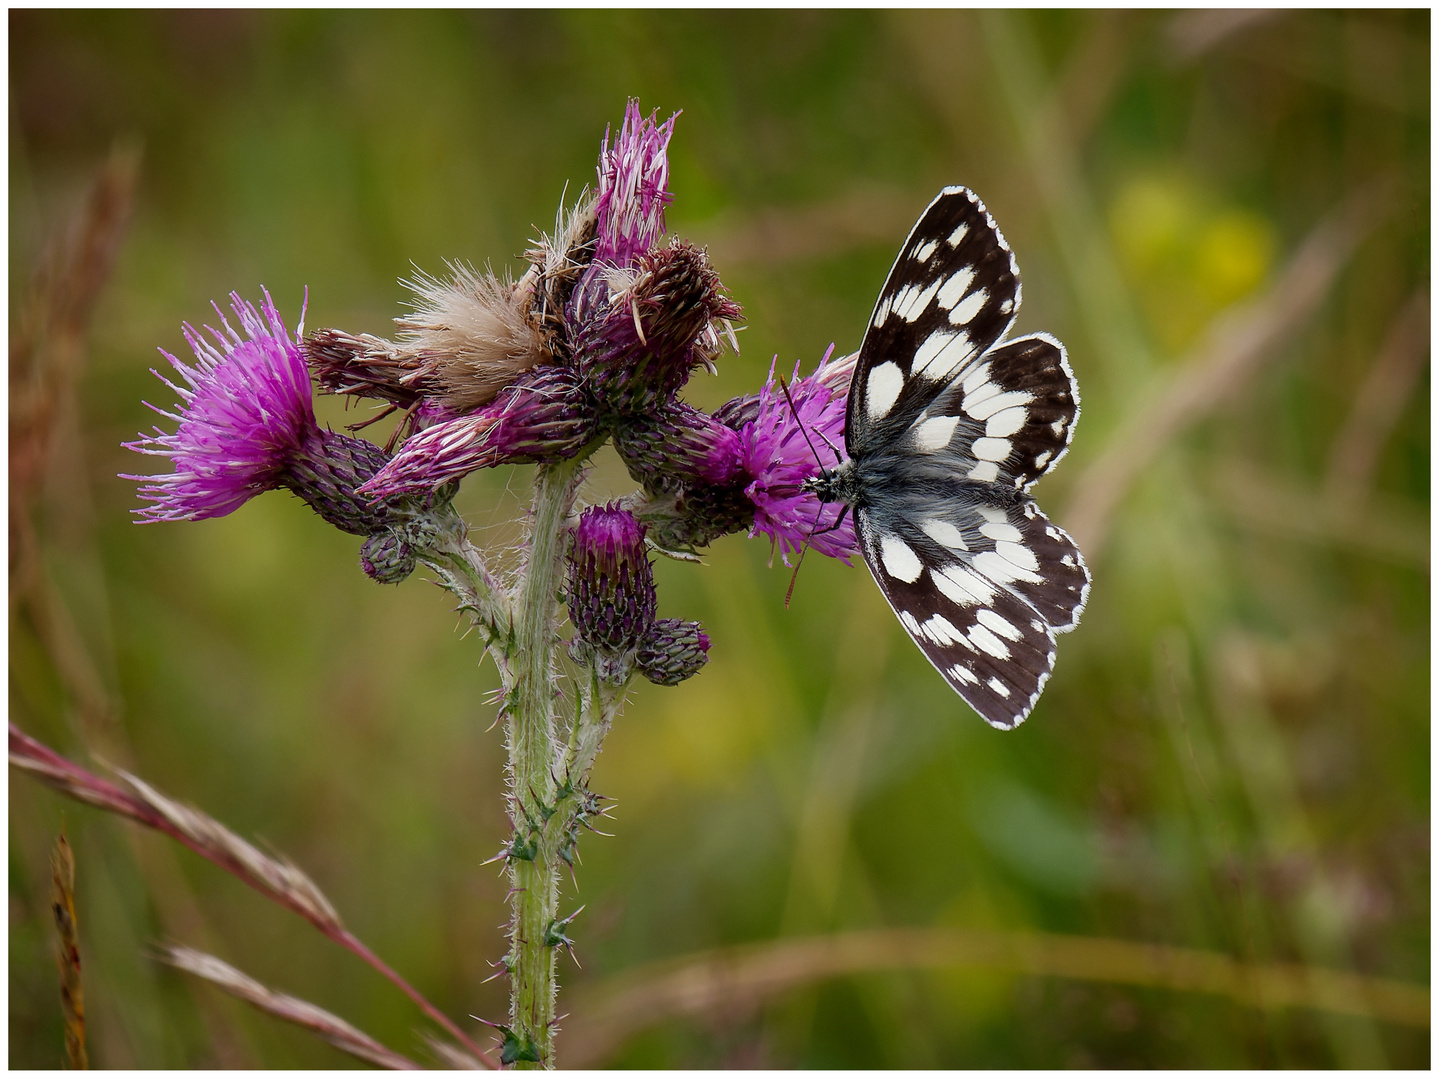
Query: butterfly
[{"x": 946, "y": 428}]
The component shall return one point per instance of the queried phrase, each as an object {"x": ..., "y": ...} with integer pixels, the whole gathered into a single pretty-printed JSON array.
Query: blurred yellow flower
[
  {"x": 1186, "y": 257},
  {"x": 1234, "y": 255}
]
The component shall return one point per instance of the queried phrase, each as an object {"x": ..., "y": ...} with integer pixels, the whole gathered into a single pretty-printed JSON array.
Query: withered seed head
[
  {"x": 556, "y": 263},
  {"x": 363, "y": 365},
  {"x": 472, "y": 334}
]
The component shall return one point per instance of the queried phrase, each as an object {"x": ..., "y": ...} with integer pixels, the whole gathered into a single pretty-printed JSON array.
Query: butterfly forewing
[{"x": 952, "y": 293}]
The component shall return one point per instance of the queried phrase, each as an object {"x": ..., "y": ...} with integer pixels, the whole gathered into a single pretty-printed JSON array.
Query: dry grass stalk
[
  {"x": 451, "y": 1056},
  {"x": 1238, "y": 342},
  {"x": 48, "y": 360},
  {"x": 276, "y": 875},
  {"x": 608, "y": 1013},
  {"x": 72, "y": 990},
  {"x": 1382, "y": 526},
  {"x": 277, "y": 879},
  {"x": 48, "y": 349},
  {"x": 47, "y": 353},
  {"x": 338, "y": 1033},
  {"x": 1382, "y": 397}
]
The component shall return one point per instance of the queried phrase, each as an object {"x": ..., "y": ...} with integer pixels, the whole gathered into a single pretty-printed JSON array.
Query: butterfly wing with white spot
[
  {"x": 1008, "y": 418},
  {"x": 947, "y": 427},
  {"x": 989, "y": 644},
  {"x": 1018, "y": 549},
  {"x": 952, "y": 293},
  {"x": 981, "y": 588}
]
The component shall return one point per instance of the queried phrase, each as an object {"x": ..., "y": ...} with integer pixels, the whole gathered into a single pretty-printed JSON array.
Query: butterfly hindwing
[
  {"x": 1018, "y": 404},
  {"x": 952, "y": 293},
  {"x": 991, "y": 646},
  {"x": 1018, "y": 549}
]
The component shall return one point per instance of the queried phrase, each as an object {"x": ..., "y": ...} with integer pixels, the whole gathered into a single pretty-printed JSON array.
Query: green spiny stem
[
  {"x": 597, "y": 712},
  {"x": 530, "y": 731},
  {"x": 462, "y": 572}
]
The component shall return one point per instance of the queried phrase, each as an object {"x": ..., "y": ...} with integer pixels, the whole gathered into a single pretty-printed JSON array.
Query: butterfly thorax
[
  {"x": 840, "y": 484},
  {"x": 879, "y": 478}
]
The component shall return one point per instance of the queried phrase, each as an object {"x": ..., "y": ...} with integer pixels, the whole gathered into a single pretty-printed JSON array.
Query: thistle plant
[{"x": 593, "y": 343}]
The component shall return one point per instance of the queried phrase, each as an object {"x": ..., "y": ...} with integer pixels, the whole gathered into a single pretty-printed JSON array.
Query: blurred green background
[{"x": 1233, "y": 754}]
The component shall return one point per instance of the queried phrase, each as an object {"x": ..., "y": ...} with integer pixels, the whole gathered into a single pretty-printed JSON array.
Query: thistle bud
[
  {"x": 612, "y": 591},
  {"x": 387, "y": 558},
  {"x": 672, "y": 651}
]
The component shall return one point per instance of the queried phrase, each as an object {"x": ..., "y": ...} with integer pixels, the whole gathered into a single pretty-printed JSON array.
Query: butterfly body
[{"x": 947, "y": 426}]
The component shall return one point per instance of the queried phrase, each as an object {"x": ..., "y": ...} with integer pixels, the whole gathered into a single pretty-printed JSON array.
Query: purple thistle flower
[
  {"x": 612, "y": 590},
  {"x": 245, "y": 412},
  {"x": 542, "y": 417},
  {"x": 678, "y": 444},
  {"x": 633, "y": 187},
  {"x": 775, "y": 453}
]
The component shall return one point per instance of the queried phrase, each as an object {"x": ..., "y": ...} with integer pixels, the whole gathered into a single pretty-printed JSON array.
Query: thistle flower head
[
  {"x": 541, "y": 417},
  {"x": 777, "y": 455},
  {"x": 656, "y": 323},
  {"x": 633, "y": 190},
  {"x": 675, "y": 445},
  {"x": 327, "y": 469},
  {"x": 611, "y": 590},
  {"x": 363, "y": 365},
  {"x": 682, "y": 520},
  {"x": 244, "y": 413}
]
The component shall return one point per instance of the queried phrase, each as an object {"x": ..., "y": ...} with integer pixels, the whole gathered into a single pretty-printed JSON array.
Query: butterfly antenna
[
  {"x": 791, "y": 590},
  {"x": 803, "y": 549},
  {"x": 784, "y": 387},
  {"x": 805, "y": 545}
]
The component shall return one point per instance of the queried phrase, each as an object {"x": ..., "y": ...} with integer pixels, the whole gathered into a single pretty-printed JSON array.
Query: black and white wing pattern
[{"x": 947, "y": 427}]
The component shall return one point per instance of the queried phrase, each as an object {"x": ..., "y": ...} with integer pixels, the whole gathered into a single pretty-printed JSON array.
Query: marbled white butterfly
[{"x": 947, "y": 427}]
